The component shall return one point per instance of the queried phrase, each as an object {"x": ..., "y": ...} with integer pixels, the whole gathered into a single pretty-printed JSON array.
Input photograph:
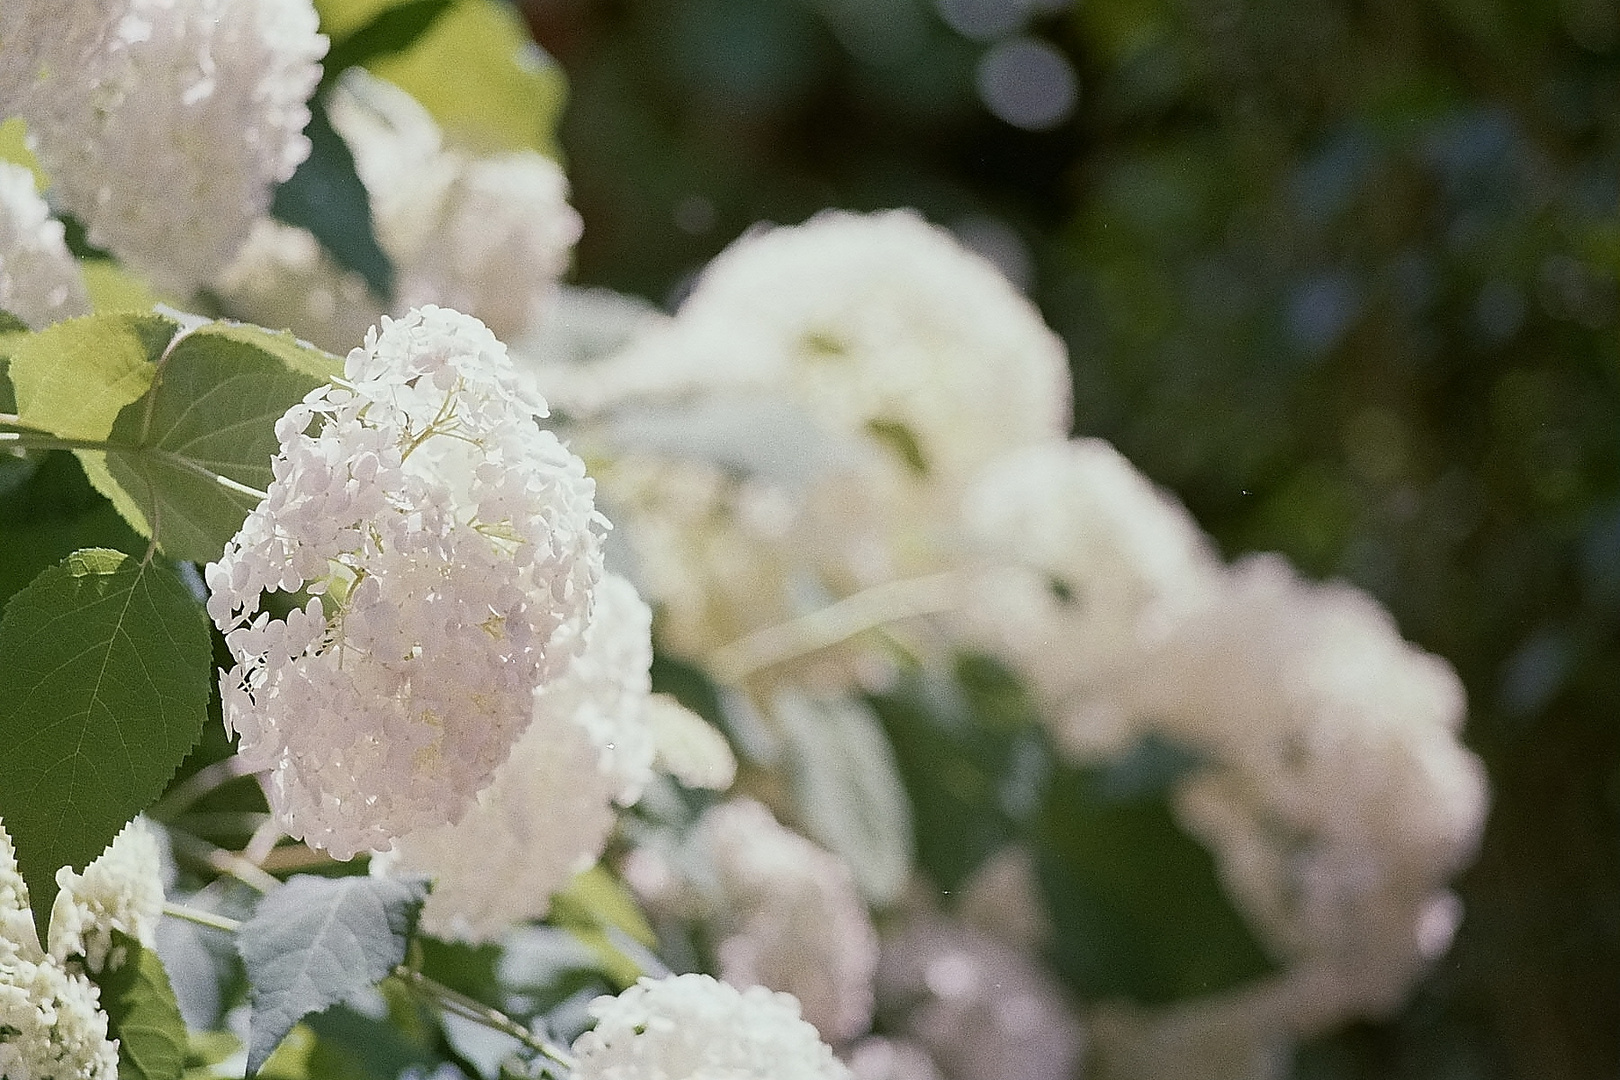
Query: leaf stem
[
  {"x": 825, "y": 627},
  {"x": 224, "y": 862},
  {"x": 472, "y": 1009},
  {"x": 187, "y": 792},
  {"x": 202, "y": 918}
]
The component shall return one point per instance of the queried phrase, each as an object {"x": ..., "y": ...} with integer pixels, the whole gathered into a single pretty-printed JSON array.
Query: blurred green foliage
[{"x": 1342, "y": 273}]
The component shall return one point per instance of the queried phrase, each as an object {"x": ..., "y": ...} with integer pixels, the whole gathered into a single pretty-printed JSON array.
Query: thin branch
[
  {"x": 825, "y": 627},
  {"x": 472, "y": 1009},
  {"x": 205, "y": 780},
  {"x": 224, "y": 862},
  {"x": 202, "y": 918}
]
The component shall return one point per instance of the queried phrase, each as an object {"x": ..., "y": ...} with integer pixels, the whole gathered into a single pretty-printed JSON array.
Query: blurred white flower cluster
[
  {"x": 51, "y": 1023},
  {"x": 784, "y": 912},
  {"x": 487, "y": 234},
  {"x": 163, "y": 126},
  {"x": 448, "y": 548},
  {"x": 39, "y": 280}
]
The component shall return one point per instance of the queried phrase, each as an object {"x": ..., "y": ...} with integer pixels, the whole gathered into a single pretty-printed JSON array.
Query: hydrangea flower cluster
[
  {"x": 50, "y": 1012},
  {"x": 39, "y": 280},
  {"x": 487, "y": 235},
  {"x": 549, "y": 810},
  {"x": 692, "y": 1027},
  {"x": 1097, "y": 562},
  {"x": 164, "y": 125},
  {"x": 785, "y": 913},
  {"x": 120, "y": 891},
  {"x": 448, "y": 548},
  {"x": 982, "y": 1009},
  {"x": 1337, "y": 799}
]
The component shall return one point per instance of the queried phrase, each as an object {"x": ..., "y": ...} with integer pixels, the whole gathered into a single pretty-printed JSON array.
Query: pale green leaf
[
  {"x": 315, "y": 942},
  {"x": 103, "y": 691},
  {"x": 847, "y": 790},
  {"x": 74, "y": 377}
]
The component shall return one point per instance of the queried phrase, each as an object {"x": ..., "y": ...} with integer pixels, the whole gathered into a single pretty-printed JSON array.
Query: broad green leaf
[
  {"x": 476, "y": 69},
  {"x": 316, "y": 941},
  {"x": 48, "y": 510},
  {"x": 579, "y": 910},
  {"x": 846, "y": 788},
  {"x": 11, "y": 324},
  {"x": 142, "y": 1014},
  {"x": 600, "y": 893},
  {"x": 326, "y": 197},
  {"x": 73, "y": 378},
  {"x": 103, "y": 691},
  {"x": 1136, "y": 905},
  {"x": 389, "y": 31},
  {"x": 352, "y": 1046},
  {"x": 210, "y": 413}
]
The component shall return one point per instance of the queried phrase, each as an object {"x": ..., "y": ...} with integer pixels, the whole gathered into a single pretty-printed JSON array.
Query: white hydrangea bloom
[
  {"x": 121, "y": 890},
  {"x": 1337, "y": 799},
  {"x": 164, "y": 126},
  {"x": 487, "y": 235},
  {"x": 40, "y": 281},
  {"x": 883, "y": 325},
  {"x": 982, "y": 1009},
  {"x": 1101, "y": 561},
  {"x": 786, "y": 914},
  {"x": 877, "y": 1058},
  {"x": 451, "y": 548},
  {"x": 51, "y": 1018},
  {"x": 282, "y": 278},
  {"x": 688, "y": 747},
  {"x": 691, "y": 1027},
  {"x": 548, "y": 812}
]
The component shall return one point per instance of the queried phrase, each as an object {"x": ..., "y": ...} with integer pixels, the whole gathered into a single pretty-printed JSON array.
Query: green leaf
[
  {"x": 389, "y": 32},
  {"x": 352, "y": 1046},
  {"x": 103, "y": 691},
  {"x": 1136, "y": 904},
  {"x": 211, "y": 412},
  {"x": 847, "y": 790},
  {"x": 142, "y": 1014},
  {"x": 48, "y": 510},
  {"x": 314, "y": 942},
  {"x": 10, "y": 324},
  {"x": 326, "y": 197},
  {"x": 74, "y": 377}
]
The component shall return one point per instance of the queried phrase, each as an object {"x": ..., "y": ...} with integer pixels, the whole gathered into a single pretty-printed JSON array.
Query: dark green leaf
[
  {"x": 103, "y": 691},
  {"x": 392, "y": 30},
  {"x": 326, "y": 197},
  {"x": 48, "y": 510},
  {"x": 316, "y": 941},
  {"x": 350, "y": 1045},
  {"x": 1136, "y": 905},
  {"x": 9, "y": 323},
  {"x": 142, "y": 1014}
]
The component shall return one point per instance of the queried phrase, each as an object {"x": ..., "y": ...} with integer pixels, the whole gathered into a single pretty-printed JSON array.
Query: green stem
[
  {"x": 202, "y": 918},
  {"x": 472, "y": 1009}
]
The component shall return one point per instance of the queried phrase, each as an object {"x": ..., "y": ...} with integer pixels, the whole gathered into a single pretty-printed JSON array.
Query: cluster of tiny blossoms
[
  {"x": 51, "y": 1023},
  {"x": 548, "y": 812},
  {"x": 163, "y": 126},
  {"x": 691, "y": 1027},
  {"x": 448, "y": 548},
  {"x": 39, "y": 280},
  {"x": 785, "y": 913}
]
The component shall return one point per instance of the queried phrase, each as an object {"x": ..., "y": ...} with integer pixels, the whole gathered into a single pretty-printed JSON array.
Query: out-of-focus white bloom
[
  {"x": 486, "y": 235},
  {"x": 691, "y": 1027},
  {"x": 883, "y": 325},
  {"x": 787, "y": 915},
  {"x": 1336, "y": 797},
  {"x": 164, "y": 126},
  {"x": 121, "y": 890},
  {"x": 40, "y": 281},
  {"x": 549, "y": 810},
  {"x": 1002, "y": 899},
  {"x": 877, "y": 1058},
  {"x": 285, "y": 280},
  {"x": 1101, "y": 560},
  {"x": 688, "y": 746},
  {"x": 451, "y": 548},
  {"x": 982, "y": 1009},
  {"x": 1238, "y": 1035},
  {"x": 52, "y": 1021}
]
